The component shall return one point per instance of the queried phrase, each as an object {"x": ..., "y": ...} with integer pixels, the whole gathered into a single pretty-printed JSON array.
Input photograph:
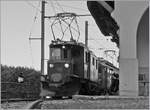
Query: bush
[{"x": 12, "y": 89}]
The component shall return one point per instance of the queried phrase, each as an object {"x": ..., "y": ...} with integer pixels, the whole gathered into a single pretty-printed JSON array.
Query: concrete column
[
  {"x": 128, "y": 14},
  {"x": 128, "y": 77}
]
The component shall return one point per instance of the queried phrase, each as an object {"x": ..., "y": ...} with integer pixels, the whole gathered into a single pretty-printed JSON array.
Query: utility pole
[
  {"x": 42, "y": 36},
  {"x": 86, "y": 33}
]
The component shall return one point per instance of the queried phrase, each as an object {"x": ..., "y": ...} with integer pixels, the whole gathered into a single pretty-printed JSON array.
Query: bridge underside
[{"x": 103, "y": 19}]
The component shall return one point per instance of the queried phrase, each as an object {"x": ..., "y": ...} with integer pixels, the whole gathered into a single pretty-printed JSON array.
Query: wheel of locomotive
[
  {"x": 56, "y": 97},
  {"x": 69, "y": 97},
  {"x": 84, "y": 89}
]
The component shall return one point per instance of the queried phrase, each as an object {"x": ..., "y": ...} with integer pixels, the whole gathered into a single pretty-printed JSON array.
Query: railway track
[
  {"x": 77, "y": 98},
  {"x": 90, "y": 102},
  {"x": 34, "y": 105},
  {"x": 37, "y": 104},
  {"x": 17, "y": 100}
]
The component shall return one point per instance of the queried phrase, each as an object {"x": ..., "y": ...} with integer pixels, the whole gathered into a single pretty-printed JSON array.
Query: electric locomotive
[
  {"x": 73, "y": 69},
  {"x": 65, "y": 69}
]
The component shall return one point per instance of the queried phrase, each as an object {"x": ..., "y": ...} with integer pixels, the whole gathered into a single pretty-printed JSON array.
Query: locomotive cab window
[{"x": 55, "y": 53}]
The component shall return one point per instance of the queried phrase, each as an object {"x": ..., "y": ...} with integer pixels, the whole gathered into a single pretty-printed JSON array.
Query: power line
[
  {"x": 29, "y": 3},
  {"x": 91, "y": 36},
  {"x": 32, "y": 60},
  {"x": 74, "y": 7},
  {"x": 30, "y": 33},
  {"x": 60, "y": 6},
  {"x": 34, "y": 20},
  {"x": 53, "y": 7}
]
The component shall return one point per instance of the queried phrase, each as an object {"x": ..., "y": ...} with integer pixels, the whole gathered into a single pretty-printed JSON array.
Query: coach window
[
  {"x": 110, "y": 71},
  {"x": 86, "y": 57},
  {"x": 141, "y": 77},
  {"x": 107, "y": 70},
  {"x": 96, "y": 64},
  {"x": 93, "y": 61},
  {"x": 100, "y": 69}
]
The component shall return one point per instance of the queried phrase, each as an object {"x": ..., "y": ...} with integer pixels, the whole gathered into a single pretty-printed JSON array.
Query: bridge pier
[{"x": 128, "y": 14}]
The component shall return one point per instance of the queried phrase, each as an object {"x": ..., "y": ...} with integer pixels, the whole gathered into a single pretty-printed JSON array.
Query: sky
[{"x": 18, "y": 23}]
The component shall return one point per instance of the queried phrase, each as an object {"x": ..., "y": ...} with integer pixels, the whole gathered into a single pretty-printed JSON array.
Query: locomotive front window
[{"x": 55, "y": 53}]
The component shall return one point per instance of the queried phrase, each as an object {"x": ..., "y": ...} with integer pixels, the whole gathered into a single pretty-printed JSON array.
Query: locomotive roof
[
  {"x": 54, "y": 43},
  {"x": 59, "y": 42}
]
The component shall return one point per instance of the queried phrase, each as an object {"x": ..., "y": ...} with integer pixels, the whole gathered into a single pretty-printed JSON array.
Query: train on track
[{"x": 73, "y": 68}]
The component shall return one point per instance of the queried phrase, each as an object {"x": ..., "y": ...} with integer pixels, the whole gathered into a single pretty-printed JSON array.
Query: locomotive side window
[
  {"x": 65, "y": 53},
  {"x": 55, "y": 53}
]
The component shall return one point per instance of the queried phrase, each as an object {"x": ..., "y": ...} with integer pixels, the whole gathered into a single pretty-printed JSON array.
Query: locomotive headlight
[
  {"x": 66, "y": 65},
  {"x": 47, "y": 97},
  {"x": 63, "y": 47},
  {"x": 51, "y": 65}
]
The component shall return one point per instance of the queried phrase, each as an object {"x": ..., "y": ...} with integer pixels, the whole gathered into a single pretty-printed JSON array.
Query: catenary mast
[{"x": 42, "y": 36}]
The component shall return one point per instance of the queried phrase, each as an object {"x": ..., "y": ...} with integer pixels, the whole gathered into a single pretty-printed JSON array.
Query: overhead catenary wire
[
  {"x": 79, "y": 16},
  {"x": 32, "y": 60},
  {"x": 60, "y": 5},
  {"x": 51, "y": 23},
  {"x": 30, "y": 33},
  {"x": 29, "y": 3},
  {"x": 63, "y": 20},
  {"x": 34, "y": 20},
  {"x": 77, "y": 8},
  {"x": 90, "y": 37},
  {"x": 53, "y": 7}
]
